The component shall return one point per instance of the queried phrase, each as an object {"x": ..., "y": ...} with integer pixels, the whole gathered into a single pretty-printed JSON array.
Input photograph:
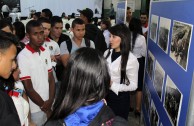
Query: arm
[
  {"x": 64, "y": 53},
  {"x": 51, "y": 88},
  {"x": 144, "y": 47}
]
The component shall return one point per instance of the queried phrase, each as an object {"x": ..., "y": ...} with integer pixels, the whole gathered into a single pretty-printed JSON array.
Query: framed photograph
[
  {"x": 180, "y": 43},
  {"x": 159, "y": 79},
  {"x": 164, "y": 30},
  {"x": 172, "y": 101},
  {"x": 154, "y": 118},
  {"x": 146, "y": 98},
  {"x": 153, "y": 27},
  {"x": 150, "y": 64}
]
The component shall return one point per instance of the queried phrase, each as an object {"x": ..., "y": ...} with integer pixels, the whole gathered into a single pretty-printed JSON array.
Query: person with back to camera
[
  {"x": 123, "y": 67},
  {"x": 85, "y": 84},
  {"x": 139, "y": 50}
]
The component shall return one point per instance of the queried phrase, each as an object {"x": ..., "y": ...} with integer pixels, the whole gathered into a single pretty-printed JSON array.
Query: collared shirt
[
  {"x": 115, "y": 73},
  {"x": 35, "y": 66}
]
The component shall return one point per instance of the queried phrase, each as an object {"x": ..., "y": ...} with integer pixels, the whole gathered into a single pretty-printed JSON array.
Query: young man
[
  {"x": 78, "y": 40},
  {"x": 8, "y": 116},
  {"x": 144, "y": 22},
  {"x": 92, "y": 31},
  {"x": 129, "y": 16},
  {"x": 46, "y": 13},
  {"x": 36, "y": 73},
  {"x": 57, "y": 35}
]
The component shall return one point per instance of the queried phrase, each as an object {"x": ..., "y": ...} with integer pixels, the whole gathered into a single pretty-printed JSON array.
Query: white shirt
[
  {"x": 115, "y": 73},
  {"x": 52, "y": 47},
  {"x": 5, "y": 8},
  {"x": 64, "y": 50},
  {"x": 35, "y": 66},
  {"x": 139, "y": 49}
]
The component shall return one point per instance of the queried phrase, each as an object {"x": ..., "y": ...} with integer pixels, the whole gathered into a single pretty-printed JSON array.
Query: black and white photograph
[
  {"x": 164, "y": 30},
  {"x": 146, "y": 98},
  {"x": 161, "y": 124},
  {"x": 173, "y": 101},
  {"x": 154, "y": 27},
  {"x": 150, "y": 64},
  {"x": 13, "y": 5},
  {"x": 180, "y": 43},
  {"x": 159, "y": 79},
  {"x": 154, "y": 118}
]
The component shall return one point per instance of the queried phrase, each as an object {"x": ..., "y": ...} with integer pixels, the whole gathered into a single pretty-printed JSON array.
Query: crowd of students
[{"x": 81, "y": 79}]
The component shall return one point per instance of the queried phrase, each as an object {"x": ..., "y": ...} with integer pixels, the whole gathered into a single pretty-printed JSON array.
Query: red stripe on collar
[
  {"x": 32, "y": 50},
  {"x": 47, "y": 40}
]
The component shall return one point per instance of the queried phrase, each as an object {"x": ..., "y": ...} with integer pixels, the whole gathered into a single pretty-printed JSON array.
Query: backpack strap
[
  {"x": 87, "y": 42},
  {"x": 69, "y": 45}
]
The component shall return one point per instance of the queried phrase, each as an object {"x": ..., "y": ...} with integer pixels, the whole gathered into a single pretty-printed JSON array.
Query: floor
[{"x": 134, "y": 121}]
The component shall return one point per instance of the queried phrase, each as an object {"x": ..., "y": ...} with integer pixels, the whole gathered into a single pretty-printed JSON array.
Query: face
[
  {"x": 129, "y": 14},
  {"x": 83, "y": 17},
  {"x": 79, "y": 31},
  {"x": 16, "y": 73},
  {"x": 103, "y": 26},
  {"x": 115, "y": 42},
  {"x": 6, "y": 29},
  {"x": 56, "y": 30},
  {"x": 43, "y": 14},
  {"x": 47, "y": 29},
  {"x": 143, "y": 19},
  {"x": 36, "y": 36},
  {"x": 7, "y": 60},
  {"x": 35, "y": 17}
]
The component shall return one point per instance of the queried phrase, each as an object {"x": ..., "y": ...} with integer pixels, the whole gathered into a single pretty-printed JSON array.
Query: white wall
[{"x": 58, "y": 6}]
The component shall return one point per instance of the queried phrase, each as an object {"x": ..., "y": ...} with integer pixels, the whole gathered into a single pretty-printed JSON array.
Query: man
[
  {"x": 8, "y": 116},
  {"x": 93, "y": 32},
  {"x": 46, "y": 13},
  {"x": 57, "y": 35},
  {"x": 36, "y": 73},
  {"x": 5, "y": 9},
  {"x": 78, "y": 41},
  {"x": 111, "y": 12},
  {"x": 129, "y": 16},
  {"x": 144, "y": 22}
]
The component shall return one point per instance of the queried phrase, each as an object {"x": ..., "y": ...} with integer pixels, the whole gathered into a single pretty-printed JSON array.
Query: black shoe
[{"x": 137, "y": 113}]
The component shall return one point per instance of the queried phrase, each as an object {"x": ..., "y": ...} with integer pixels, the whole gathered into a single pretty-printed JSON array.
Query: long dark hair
[
  {"x": 123, "y": 32},
  {"x": 86, "y": 81},
  {"x": 135, "y": 27}
]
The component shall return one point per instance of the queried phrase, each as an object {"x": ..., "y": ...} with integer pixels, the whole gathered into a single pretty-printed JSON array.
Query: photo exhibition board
[
  {"x": 169, "y": 62},
  {"x": 121, "y": 12}
]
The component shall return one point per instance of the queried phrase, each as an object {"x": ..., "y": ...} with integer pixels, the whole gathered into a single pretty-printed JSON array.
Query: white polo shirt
[
  {"x": 52, "y": 47},
  {"x": 35, "y": 66}
]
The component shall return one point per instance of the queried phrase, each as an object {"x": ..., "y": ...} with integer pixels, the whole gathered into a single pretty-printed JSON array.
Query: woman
[
  {"x": 123, "y": 67},
  {"x": 139, "y": 50},
  {"x": 80, "y": 100}
]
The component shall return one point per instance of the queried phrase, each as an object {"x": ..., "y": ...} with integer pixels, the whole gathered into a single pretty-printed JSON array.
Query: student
[
  {"x": 36, "y": 73},
  {"x": 78, "y": 40},
  {"x": 8, "y": 116},
  {"x": 105, "y": 25},
  {"x": 6, "y": 26},
  {"x": 139, "y": 50},
  {"x": 144, "y": 23},
  {"x": 85, "y": 84},
  {"x": 123, "y": 67},
  {"x": 93, "y": 32},
  {"x": 129, "y": 15},
  {"x": 46, "y": 13},
  {"x": 111, "y": 12},
  {"x": 57, "y": 35}
]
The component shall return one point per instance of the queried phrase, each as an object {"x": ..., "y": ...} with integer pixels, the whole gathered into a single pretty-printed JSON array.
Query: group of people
[{"x": 84, "y": 80}]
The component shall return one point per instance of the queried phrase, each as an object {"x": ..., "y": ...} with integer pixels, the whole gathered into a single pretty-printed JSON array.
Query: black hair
[
  {"x": 6, "y": 22},
  {"x": 31, "y": 24},
  {"x": 56, "y": 19},
  {"x": 86, "y": 81},
  {"x": 67, "y": 26},
  {"x": 37, "y": 14},
  {"x": 106, "y": 22},
  {"x": 19, "y": 29},
  {"x": 123, "y": 32},
  {"x": 144, "y": 13},
  {"x": 77, "y": 21},
  {"x": 128, "y": 8},
  {"x": 136, "y": 28},
  {"x": 44, "y": 20},
  {"x": 48, "y": 13}
]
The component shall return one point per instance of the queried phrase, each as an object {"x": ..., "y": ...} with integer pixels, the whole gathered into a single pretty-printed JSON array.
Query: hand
[
  {"x": 53, "y": 59},
  {"x": 48, "y": 113},
  {"x": 47, "y": 105}
]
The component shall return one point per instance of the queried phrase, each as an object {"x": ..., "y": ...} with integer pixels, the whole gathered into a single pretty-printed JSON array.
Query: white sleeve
[
  {"x": 144, "y": 47},
  {"x": 23, "y": 64},
  {"x": 49, "y": 61},
  {"x": 92, "y": 44},
  {"x": 57, "y": 49},
  {"x": 63, "y": 48},
  {"x": 132, "y": 74}
]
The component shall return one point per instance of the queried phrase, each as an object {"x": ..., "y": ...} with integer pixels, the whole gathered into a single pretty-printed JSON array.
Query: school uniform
[{"x": 118, "y": 96}]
